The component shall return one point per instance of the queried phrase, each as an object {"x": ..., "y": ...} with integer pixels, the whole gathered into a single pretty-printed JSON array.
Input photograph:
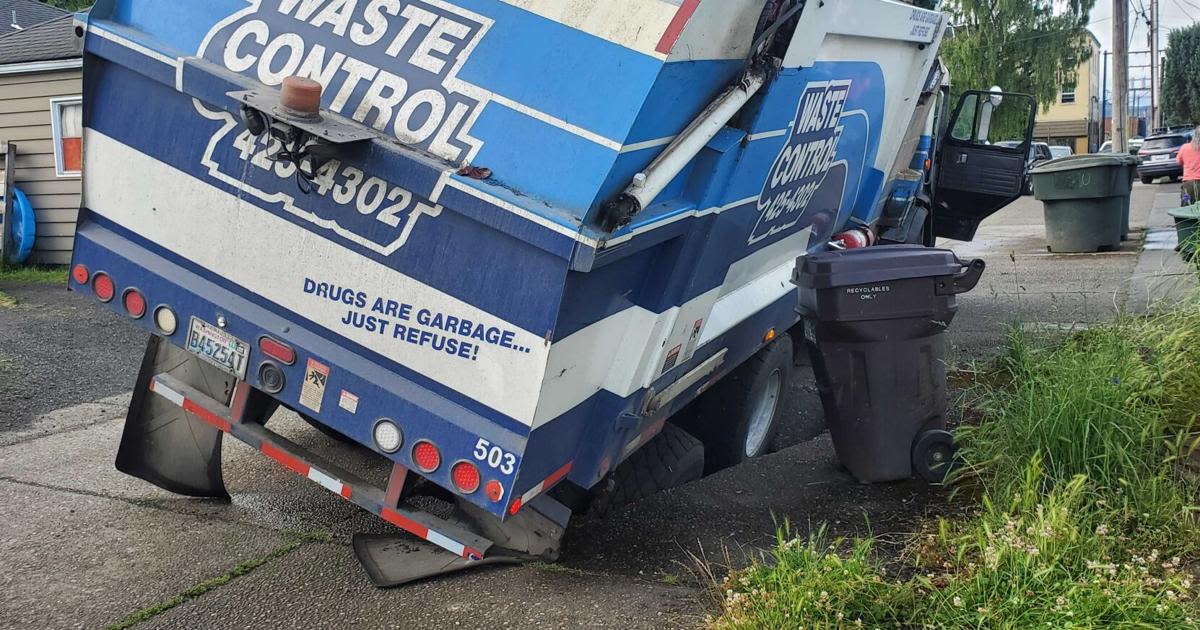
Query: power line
[{"x": 1185, "y": 11}]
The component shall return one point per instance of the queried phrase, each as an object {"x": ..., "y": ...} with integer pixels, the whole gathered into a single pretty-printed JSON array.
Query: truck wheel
[
  {"x": 672, "y": 458},
  {"x": 933, "y": 454},
  {"x": 1147, "y": 180},
  {"x": 737, "y": 419}
]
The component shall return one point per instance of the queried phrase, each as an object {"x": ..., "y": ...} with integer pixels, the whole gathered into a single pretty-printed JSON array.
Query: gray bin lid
[
  {"x": 1087, "y": 160},
  {"x": 883, "y": 263}
]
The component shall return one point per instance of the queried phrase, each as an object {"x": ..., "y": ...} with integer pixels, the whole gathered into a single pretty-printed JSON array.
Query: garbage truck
[{"x": 508, "y": 247}]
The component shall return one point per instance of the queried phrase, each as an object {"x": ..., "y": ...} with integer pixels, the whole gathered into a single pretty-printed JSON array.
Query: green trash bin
[
  {"x": 1085, "y": 200},
  {"x": 1187, "y": 226}
]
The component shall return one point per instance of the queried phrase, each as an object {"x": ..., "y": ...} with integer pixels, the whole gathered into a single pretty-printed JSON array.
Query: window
[
  {"x": 1068, "y": 94},
  {"x": 66, "y": 121}
]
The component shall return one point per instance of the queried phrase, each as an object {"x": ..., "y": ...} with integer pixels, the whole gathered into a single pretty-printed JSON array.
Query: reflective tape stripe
[
  {"x": 554, "y": 478},
  {"x": 205, "y": 415},
  {"x": 166, "y": 392},
  {"x": 292, "y": 463},
  {"x": 453, "y": 546},
  {"x": 329, "y": 483}
]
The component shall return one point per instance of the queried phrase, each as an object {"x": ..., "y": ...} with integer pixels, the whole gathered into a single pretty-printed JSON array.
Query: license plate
[
  {"x": 1159, "y": 158},
  {"x": 218, "y": 347}
]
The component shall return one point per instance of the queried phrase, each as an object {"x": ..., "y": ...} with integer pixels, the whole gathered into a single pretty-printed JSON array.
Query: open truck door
[{"x": 976, "y": 174}]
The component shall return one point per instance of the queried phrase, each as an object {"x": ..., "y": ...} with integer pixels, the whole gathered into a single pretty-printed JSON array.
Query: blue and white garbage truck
[{"x": 500, "y": 244}]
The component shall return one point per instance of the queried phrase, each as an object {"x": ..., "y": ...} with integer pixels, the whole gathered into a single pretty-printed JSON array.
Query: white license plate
[
  {"x": 1159, "y": 158},
  {"x": 218, "y": 347}
]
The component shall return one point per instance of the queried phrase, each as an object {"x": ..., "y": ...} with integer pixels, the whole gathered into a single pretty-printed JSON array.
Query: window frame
[{"x": 56, "y": 107}]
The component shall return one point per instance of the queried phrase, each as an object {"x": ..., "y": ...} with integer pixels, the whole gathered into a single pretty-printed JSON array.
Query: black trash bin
[{"x": 873, "y": 322}]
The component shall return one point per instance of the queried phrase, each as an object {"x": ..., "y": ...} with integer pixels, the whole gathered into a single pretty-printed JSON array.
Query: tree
[
  {"x": 1029, "y": 46},
  {"x": 1181, "y": 77},
  {"x": 70, "y": 5}
]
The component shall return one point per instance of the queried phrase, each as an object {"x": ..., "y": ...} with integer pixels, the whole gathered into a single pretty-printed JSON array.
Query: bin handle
[{"x": 964, "y": 280}]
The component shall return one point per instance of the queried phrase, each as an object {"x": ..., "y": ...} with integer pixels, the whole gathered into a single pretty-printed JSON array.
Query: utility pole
[
  {"x": 1104, "y": 98},
  {"x": 1120, "y": 74},
  {"x": 1154, "y": 94}
]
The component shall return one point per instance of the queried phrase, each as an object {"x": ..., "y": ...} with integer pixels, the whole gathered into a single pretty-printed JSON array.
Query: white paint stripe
[
  {"x": 741, "y": 303},
  {"x": 132, "y": 45},
  {"x": 769, "y": 134},
  {"x": 648, "y": 144},
  {"x": 276, "y": 268},
  {"x": 555, "y": 122},
  {"x": 451, "y": 545},
  {"x": 171, "y": 395},
  {"x": 632, "y": 446},
  {"x": 329, "y": 483}
]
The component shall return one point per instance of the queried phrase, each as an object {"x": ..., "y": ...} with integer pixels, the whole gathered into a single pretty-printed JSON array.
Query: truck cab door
[{"x": 981, "y": 162}]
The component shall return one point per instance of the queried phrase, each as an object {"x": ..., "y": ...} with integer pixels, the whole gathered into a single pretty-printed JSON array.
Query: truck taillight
[
  {"x": 103, "y": 287},
  {"x": 465, "y": 477},
  {"x": 494, "y": 491},
  {"x": 277, "y": 350},
  {"x": 165, "y": 319},
  {"x": 134, "y": 303},
  {"x": 80, "y": 274},
  {"x": 426, "y": 456}
]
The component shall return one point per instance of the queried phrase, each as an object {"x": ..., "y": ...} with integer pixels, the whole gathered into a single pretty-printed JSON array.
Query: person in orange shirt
[{"x": 1189, "y": 158}]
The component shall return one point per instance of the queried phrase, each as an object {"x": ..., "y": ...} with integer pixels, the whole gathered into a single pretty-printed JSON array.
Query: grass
[
  {"x": 33, "y": 274},
  {"x": 215, "y": 582},
  {"x": 1085, "y": 517}
]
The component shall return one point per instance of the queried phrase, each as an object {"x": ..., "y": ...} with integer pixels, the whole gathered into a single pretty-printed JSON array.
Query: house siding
[{"x": 25, "y": 121}]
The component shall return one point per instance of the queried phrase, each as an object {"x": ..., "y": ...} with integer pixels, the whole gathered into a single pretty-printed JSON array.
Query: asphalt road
[{"x": 85, "y": 546}]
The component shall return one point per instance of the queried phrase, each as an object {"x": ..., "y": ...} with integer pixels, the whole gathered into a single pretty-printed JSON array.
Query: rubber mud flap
[
  {"x": 162, "y": 443},
  {"x": 392, "y": 560}
]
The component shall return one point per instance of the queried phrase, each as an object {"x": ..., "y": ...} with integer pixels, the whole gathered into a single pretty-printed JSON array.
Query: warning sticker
[
  {"x": 348, "y": 401},
  {"x": 672, "y": 359},
  {"x": 316, "y": 377}
]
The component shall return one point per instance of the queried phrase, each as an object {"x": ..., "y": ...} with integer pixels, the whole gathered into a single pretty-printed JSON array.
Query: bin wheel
[
  {"x": 933, "y": 454},
  {"x": 738, "y": 417}
]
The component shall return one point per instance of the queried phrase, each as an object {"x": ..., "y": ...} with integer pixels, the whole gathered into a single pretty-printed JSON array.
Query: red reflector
[
  {"x": 465, "y": 477},
  {"x": 103, "y": 286},
  {"x": 80, "y": 274},
  {"x": 134, "y": 303},
  {"x": 426, "y": 456},
  {"x": 277, "y": 350},
  {"x": 494, "y": 491},
  {"x": 515, "y": 507}
]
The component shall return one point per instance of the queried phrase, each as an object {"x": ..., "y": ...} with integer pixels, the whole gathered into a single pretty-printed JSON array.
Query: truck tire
[
  {"x": 671, "y": 459},
  {"x": 737, "y": 419}
]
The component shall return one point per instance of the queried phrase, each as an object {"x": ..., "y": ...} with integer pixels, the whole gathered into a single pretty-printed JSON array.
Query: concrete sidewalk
[{"x": 85, "y": 546}]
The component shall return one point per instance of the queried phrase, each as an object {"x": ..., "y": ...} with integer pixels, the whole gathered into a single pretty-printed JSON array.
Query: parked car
[
  {"x": 1157, "y": 156},
  {"x": 1058, "y": 152},
  {"x": 1132, "y": 146},
  {"x": 1038, "y": 151}
]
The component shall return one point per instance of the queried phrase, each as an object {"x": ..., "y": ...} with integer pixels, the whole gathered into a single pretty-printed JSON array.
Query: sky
[{"x": 1174, "y": 14}]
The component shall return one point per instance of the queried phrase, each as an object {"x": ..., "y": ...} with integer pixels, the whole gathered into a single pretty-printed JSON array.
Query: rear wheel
[
  {"x": 737, "y": 419},
  {"x": 671, "y": 459}
]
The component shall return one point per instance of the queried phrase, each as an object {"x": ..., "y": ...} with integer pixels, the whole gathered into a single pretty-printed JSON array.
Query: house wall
[
  {"x": 1078, "y": 122},
  {"x": 25, "y": 121}
]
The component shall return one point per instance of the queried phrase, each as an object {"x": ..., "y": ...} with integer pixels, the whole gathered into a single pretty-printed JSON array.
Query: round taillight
[
  {"x": 426, "y": 456},
  {"x": 103, "y": 287},
  {"x": 494, "y": 491},
  {"x": 165, "y": 319},
  {"x": 465, "y": 477},
  {"x": 134, "y": 302},
  {"x": 80, "y": 274},
  {"x": 387, "y": 436}
]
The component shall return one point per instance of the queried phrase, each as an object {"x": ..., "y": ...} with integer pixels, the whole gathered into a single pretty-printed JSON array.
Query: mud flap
[
  {"x": 164, "y": 444},
  {"x": 535, "y": 533}
]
